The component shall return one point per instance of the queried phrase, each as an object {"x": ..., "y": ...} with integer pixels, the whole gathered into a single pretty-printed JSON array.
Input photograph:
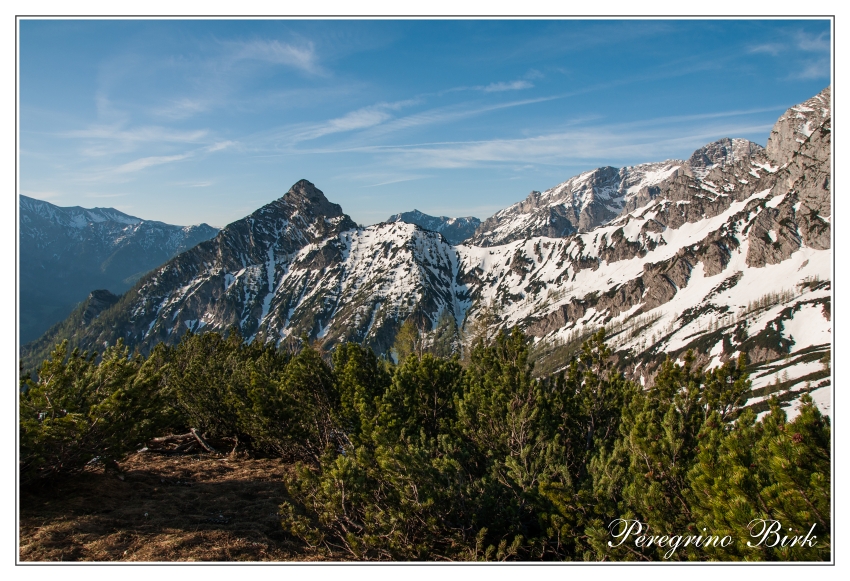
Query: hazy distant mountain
[
  {"x": 455, "y": 230},
  {"x": 731, "y": 255},
  {"x": 68, "y": 252}
]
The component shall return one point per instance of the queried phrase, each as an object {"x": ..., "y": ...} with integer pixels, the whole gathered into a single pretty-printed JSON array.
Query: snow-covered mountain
[
  {"x": 296, "y": 266},
  {"x": 595, "y": 197},
  {"x": 725, "y": 257},
  {"x": 455, "y": 230},
  {"x": 68, "y": 252}
]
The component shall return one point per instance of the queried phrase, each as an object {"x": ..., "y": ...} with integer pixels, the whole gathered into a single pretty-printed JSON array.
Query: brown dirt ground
[{"x": 167, "y": 508}]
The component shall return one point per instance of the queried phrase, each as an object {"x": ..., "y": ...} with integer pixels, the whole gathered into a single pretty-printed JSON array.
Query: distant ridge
[
  {"x": 67, "y": 252},
  {"x": 455, "y": 230}
]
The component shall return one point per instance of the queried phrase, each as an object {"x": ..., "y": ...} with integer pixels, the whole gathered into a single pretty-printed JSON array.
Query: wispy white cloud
[
  {"x": 497, "y": 87},
  {"x": 448, "y": 114},
  {"x": 672, "y": 119},
  {"x": 279, "y": 53},
  {"x": 106, "y": 110},
  {"x": 371, "y": 126},
  {"x": 396, "y": 180},
  {"x": 800, "y": 40},
  {"x": 359, "y": 119},
  {"x": 363, "y": 118},
  {"x": 219, "y": 146},
  {"x": 375, "y": 121},
  {"x": 818, "y": 69},
  {"x": 154, "y": 160},
  {"x": 812, "y": 43},
  {"x": 146, "y": 162},
  {"x": 771, "y": 48},
  {"x": 137, "y": 134},
  {"x": 603, "y": 143},
  {"x": 800, "y": 51},
  {"x": 182, "y": 108},
  {"x": 511, "y": 86},
  {"x": 103, "y": 140}
]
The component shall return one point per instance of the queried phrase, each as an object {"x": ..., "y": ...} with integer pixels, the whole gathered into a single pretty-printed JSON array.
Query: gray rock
[
  {"x": 721, "y": 153},
  {"x": 796, "y": 125}
]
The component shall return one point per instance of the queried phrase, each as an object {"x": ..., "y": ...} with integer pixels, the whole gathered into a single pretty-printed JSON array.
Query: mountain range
[
  {"x": 596, "y": 197},
  {"x": 454, "y": 230},
  {"x": 66, "y": 253},
  {"x": 724, "y": 253}
]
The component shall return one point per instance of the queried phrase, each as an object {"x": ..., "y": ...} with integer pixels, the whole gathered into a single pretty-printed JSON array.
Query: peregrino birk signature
[{"x": 763, "y": 533}]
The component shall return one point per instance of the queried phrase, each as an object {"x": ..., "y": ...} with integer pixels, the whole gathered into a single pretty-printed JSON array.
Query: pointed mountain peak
[{"x": 308, "y": 199}]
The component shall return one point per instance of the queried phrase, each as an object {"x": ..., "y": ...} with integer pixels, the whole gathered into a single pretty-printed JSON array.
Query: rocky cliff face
[
  {"x": 722, "y": 256},
  {"x": 797, "y": 125},
  {"x": 720, "y": 153},
  {"x": 68, "y": 252}
]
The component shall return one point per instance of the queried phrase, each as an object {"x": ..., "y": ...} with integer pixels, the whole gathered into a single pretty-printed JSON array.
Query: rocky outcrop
[
  {"x": 807, "y": 167},
  {"x": 797, "y": 125},
  {"x": 97, "y": 302},
  {"x": 577, "y": 205},
  {"x": 773, "y": 235},
  {"x": 721, "y": 153}
]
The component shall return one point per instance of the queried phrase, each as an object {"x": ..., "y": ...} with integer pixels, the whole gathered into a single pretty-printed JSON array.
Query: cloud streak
[
  {"x": 557, "y": 148},
  {"x": 442, "y": 115},
  {"x": 274, "y": 52},
  {"x": 818, "y": 69},
  {"x": 154, "y": 160},
  {"x": 358, "y": 119},
  {"x": 146, "y": 162},
  {"x": 799, "y": 41},
  {"x": 511, "y": 86},
  {"x": 182, "y": 108},
  {"x": 643, "y": 141},
  {"x": 116, "y": 132}
]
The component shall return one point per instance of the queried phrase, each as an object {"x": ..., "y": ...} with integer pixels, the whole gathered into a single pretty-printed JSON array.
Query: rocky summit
[{"x": 727, "y": 252}]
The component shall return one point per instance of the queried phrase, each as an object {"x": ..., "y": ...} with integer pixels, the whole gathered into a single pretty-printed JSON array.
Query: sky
[{"x": 205, "y": 121}]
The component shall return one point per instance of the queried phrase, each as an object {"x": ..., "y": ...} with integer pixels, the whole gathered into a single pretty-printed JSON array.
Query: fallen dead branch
[
  {"x": 201, "y": 441},
  {"x": 189, "y": 442}
]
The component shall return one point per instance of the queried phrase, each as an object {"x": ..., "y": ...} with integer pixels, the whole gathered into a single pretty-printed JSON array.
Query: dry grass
[{"x": 166, "y": 508}]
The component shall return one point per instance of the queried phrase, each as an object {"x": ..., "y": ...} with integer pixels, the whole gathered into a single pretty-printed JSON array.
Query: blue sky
[{"x": 205, "y": 121}]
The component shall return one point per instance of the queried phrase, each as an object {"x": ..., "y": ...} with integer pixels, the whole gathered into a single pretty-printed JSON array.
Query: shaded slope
[{"x": 66, "y": 253}]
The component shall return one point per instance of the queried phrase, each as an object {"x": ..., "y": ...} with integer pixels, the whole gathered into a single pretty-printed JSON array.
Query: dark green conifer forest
[{"x": 442, "y": 458}]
